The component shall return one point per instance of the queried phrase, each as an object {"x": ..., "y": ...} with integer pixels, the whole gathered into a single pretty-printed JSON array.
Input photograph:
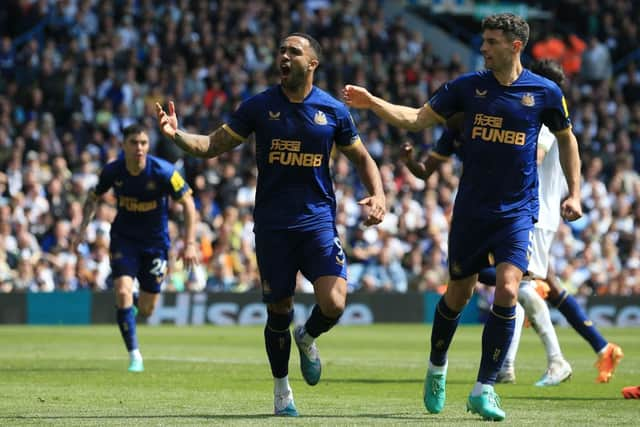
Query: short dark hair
[
  {"x": 513, "y": 26},
  {"x": 133, "y": 129},
  {"x": 317, "y": 49},
  {"x": 550, "y": 69}
]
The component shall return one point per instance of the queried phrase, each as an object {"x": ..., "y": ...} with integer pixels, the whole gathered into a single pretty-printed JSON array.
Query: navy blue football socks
[
  {"x": 318, "y": 323},
  {"x": 127, "y": 324},
  {"x": 277, "y": 340},
  {"x": 445, "y": 323},
  {"x": 496, "y": 338},
  {"x": 568, "y": 306}
]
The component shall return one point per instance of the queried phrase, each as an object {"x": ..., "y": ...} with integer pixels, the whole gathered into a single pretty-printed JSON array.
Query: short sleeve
[
  {"x": 242, "y": 122},
  {"x": 178, "y": 187},
  {"x": 346, "y": 132},
  {"x": 105, "y": 179},
  {"x": 556, "y": 113},
  {"x": 445, "y": 146},
  {"x": 446, "y": 101}
]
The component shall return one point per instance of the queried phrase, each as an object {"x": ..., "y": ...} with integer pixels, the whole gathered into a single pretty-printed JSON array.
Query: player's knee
[
  {"x": 457, "y": 304},
  {"x": 530, "y": 300},
  {"x": 279, "y": 321},
  {"x": 506, "y": 295},
  {"x": 122, "y": 295},
  {"x": 457, "y": 297},
  {"x": 281, "y": 307}
]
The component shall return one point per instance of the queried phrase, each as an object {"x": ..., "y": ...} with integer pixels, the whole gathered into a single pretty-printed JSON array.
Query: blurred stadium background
[{"x": 73, "y": 73}]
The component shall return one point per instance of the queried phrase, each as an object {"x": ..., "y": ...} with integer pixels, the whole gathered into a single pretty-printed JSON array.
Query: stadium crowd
[{"x": 74, "y": 73}]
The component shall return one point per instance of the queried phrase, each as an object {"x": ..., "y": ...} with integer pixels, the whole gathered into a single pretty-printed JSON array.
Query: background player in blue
[
  {"x": 139, "y": 233},
  {"x": 295, "y": 126},
  {"x": 497, "y": 202}
]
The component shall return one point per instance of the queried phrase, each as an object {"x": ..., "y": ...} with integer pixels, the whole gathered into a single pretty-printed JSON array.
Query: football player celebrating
[
  {"x": 296, "y": 125},
  {"x": 497, "y": 201}
]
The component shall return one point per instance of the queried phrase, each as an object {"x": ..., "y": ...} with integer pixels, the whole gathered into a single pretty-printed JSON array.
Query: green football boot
[{"x": 487, "y": 405}]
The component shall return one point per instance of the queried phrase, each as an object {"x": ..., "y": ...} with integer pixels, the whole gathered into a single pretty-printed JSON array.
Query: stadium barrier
[
  {"x": 83, "y": 308},
  {"x": 248, "y": 309},
  {"x": 13, "y": 308}
]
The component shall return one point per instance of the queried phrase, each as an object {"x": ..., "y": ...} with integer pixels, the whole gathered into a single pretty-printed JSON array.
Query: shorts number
[
  {"x": 340, "y": 255},
  {"x": 159, "y": 267}
]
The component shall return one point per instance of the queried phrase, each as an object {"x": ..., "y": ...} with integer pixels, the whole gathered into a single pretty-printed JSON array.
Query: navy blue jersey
[
  {"x": 500, "y": 134},
  {"x": 293, "y": 146},
  {"x": 142, "y": 199}
]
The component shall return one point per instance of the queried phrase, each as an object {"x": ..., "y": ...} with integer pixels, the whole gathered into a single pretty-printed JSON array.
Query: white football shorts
[{"x": 540, "y": 248}]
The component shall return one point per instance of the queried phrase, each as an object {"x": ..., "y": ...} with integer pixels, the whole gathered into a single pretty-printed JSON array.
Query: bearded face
[{"x": 296, "y": 61}]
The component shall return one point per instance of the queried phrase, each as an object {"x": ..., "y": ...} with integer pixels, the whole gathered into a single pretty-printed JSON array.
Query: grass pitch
[{"x": 372, "y": 375}]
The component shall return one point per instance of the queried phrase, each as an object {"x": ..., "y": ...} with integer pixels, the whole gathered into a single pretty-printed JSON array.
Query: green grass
[{"x": 372, "y": 375}]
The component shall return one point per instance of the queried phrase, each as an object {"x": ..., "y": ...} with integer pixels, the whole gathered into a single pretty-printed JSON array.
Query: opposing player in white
[{"x": 553, "y": 188}]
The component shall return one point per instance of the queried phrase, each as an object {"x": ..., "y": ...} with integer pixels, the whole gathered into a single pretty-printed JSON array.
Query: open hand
[
  {"x": 356, "y": 96},
  {"x": 190, "y": 256},
  {"x": 168, "y": 121},
  {"x": 377, "y": 208}
]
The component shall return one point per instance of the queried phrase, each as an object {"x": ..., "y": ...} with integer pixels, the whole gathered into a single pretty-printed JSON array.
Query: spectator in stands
[
  {"x": 596, "y": 63},
  {"x": 551, "y": 47},
  {"x": 572, "y": 59}
]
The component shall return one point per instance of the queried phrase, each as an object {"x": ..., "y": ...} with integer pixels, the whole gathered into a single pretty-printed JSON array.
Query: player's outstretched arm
[
  {"x": 218, "y": 142},
  {"x": 88, "y": 211},
  {"x": 422, "y": 170},
  {"x": 571, "y": 207},
  {"x": 413, "y": 119},
  {"x": 370, "y": 176}
]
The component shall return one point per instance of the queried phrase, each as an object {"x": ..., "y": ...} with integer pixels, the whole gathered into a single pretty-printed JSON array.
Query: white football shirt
[{"x": 552, "y": 185}]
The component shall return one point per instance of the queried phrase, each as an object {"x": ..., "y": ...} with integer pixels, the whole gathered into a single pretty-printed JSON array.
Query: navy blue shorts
[
  {"x": 476, "y": 244},
  {"x": 146, "y": 263},
  {"x": 282, "y": 253}
]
